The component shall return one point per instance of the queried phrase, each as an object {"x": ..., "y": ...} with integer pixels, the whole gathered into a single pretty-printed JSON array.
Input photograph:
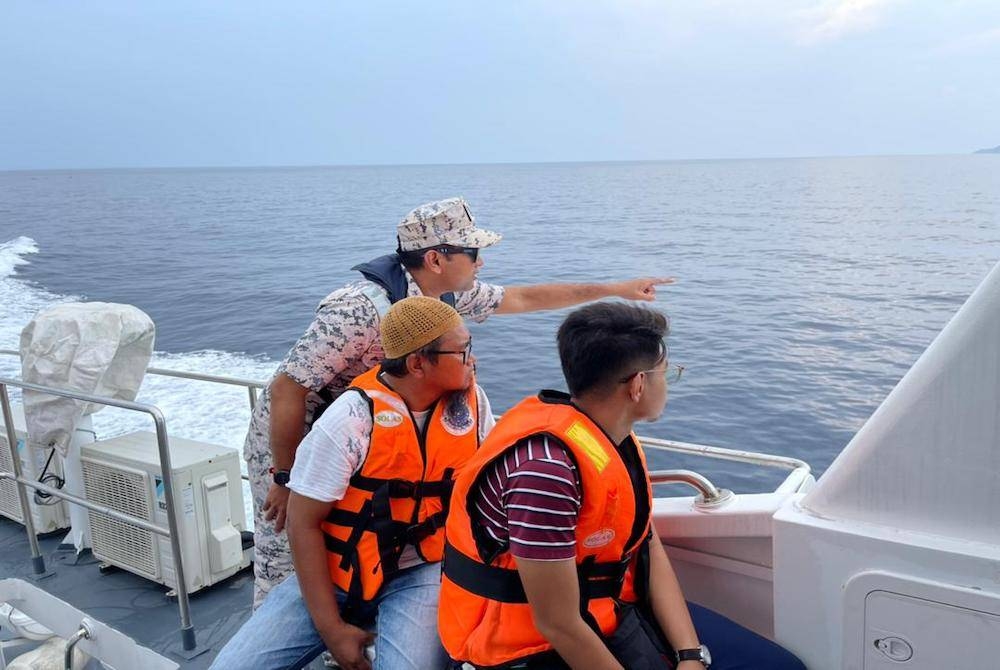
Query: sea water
[{"x": 805, "y": 287}]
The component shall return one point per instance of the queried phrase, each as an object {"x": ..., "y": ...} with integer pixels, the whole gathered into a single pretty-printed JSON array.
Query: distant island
[{"x": 994, "y": 150}]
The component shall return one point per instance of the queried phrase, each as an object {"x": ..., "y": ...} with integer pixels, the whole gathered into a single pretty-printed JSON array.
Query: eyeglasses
[
  {"x": 471, "y": 252},
  {"x": 672, "y": 373},
  {"x": 465, "y": 353}
]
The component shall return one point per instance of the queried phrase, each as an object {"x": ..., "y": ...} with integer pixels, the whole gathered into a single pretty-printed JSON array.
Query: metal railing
[
  {"x": 710, "y": 495},
  {"x": 795, "y": 480},
  {"x": 252, "y": 385},
  {"x": 38, "y": 562}
]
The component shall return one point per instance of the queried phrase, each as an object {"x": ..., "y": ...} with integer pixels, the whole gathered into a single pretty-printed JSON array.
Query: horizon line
[{"x": 307, "y": 166}]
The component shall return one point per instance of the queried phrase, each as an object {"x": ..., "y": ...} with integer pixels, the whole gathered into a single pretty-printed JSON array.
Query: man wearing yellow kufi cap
[{"x": 369, "y": 494}]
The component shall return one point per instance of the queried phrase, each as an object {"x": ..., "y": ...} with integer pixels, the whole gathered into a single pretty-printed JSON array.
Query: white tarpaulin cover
[{"x": 94, "y": 347}]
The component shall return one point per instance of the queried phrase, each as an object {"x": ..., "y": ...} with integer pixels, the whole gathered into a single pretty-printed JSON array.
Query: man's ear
[
  {"x": 434, "y": 261},
  {"x": 636, "y": 386},
  {"x": 415, "y": 364}
]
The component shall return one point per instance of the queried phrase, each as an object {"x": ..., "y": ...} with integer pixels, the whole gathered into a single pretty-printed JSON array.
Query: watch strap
[{"x": 691, "y": 655}]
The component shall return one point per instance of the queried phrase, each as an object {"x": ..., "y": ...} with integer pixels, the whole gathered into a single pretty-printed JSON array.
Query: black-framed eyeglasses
[
  {"x": 465, "y": 353},
  {"x": 672, "y": 373},
  {"x": 471, "y": 252}
]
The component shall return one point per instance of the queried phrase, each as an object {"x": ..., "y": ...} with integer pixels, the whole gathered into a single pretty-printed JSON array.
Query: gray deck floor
[{"x": 133, "y": 605}]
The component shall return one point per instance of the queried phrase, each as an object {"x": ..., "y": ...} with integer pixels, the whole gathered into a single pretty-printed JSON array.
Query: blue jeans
[
  {"x": 734, "y": 647},
  {"x": 280, "y": 633}
]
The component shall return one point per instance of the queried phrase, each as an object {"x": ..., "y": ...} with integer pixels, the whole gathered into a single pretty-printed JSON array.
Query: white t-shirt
[{"x": 336, "y": 447}]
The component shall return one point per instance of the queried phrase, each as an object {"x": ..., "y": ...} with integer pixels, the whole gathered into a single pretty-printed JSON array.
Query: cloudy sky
[{"x": 193, "y": 83}]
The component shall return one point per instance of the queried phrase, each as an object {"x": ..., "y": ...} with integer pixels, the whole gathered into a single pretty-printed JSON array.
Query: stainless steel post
[
  {"x": 187, "y": 629},
  {"x": 37, "y": 561},
  {"x": 710, "y": 497},
  {"x": 83, "y": 634},
  {"x": 252, "y": 390},
  {"x": 166, "y": 470}
]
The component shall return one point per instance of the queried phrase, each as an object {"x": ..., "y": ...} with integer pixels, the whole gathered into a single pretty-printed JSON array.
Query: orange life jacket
[
  {"x": 400, "y": 495},
  {"x": 483, "y": 615}
]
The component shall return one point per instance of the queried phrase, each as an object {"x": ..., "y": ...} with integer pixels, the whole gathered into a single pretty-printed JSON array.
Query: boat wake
[{"x": 195, "y": 410}]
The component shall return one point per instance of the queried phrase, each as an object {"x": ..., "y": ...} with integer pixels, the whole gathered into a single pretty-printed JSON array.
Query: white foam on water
[
  {"x": 19, "y": 302},
  {"x": 12, "y": 254},
  {"x": 203, "y": 411}
]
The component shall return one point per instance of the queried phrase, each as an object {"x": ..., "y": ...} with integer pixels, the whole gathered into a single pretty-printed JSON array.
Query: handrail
[
  {"x": 166, "y": 472},
  {"x": 84, "y": 633},
  {"x": 798, "y": 476},
  {"x": 252, "y": 385},
  {"x": 755, "y": 457},
  {"x": 800, "y": 470},
  {"x": 709, "y": 495}
]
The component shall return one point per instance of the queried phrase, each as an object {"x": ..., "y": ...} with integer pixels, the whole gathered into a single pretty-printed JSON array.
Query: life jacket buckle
[{"x": 402, "y": 488}]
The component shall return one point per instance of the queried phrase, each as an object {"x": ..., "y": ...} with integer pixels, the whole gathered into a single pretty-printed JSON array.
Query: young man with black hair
[
  {"x": 552, "y": 561},
  {"x": 439, "y": 254}
]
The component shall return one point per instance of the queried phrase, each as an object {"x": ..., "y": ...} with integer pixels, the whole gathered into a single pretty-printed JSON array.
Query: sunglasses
[{"x": 471, "y": 252}]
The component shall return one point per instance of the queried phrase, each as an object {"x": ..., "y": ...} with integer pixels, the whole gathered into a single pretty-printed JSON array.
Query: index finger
[{"x": 662, "y": 280}]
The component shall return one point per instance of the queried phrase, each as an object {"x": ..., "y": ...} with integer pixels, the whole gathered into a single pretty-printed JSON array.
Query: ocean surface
[{"x": 805, "y": 287}]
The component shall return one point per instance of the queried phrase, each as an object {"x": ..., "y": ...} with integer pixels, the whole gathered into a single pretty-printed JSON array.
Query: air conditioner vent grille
[
  {"x": 113, "y": 540},
  {"x": 10, "y": 506}
]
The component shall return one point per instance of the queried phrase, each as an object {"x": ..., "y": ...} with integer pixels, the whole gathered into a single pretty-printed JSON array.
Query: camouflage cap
[{"x": 442, "y": 222}]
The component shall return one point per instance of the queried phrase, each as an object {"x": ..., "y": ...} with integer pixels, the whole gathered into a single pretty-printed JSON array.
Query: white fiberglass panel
[{"x": 928, "y": 459}]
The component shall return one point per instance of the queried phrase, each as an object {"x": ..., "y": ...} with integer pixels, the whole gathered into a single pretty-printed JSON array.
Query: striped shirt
[{"x": 528, "y": 500}]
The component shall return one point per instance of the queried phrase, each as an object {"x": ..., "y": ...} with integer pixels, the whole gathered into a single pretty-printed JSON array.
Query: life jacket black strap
[
  {"x": 391, "y": 536},
  {"x": 375, "y": 516},
  {"x": 421, "y": 531},
  {"x": 602, "y": 580},
  {"x": 358, "y": 522},
  {"x": 585, "y": 590},
  {"x": 402, "y": 488}
]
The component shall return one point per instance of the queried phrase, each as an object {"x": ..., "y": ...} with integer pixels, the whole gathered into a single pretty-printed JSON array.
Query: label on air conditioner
[
  {"x": 187, "y": 497},
  {"x": 161, "y": 497}
]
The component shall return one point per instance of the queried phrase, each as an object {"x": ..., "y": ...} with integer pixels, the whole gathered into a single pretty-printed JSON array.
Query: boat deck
[{"x": 135, "y": 606}]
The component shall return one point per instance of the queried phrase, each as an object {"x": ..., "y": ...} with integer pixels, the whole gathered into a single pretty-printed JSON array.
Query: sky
[{"x": 148, "y": 83}]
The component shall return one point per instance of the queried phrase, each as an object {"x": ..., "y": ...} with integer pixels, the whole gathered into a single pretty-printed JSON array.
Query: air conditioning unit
[
  {"x": 124, "y": 474},
  {"x": 48, "y": 513}
]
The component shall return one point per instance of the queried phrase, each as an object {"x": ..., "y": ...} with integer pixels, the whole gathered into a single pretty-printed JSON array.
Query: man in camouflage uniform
[{"x": 438, "y": 255}]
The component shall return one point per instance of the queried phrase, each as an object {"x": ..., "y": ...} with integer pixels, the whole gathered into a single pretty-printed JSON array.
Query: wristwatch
[
  {"x": 280, "y": 477},
  {"x": 700, "y": 654}
]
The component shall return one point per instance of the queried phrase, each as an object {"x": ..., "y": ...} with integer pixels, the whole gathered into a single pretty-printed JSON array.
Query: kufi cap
[
  {"x": 442, "y": 222},
  {"x": 415, "y": 322}
]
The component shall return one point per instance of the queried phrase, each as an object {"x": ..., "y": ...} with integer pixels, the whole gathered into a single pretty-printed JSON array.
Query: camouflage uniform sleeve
[
  {"x": 486, "y": 420},
  {"x": 479, "y": 302},
  {"x": 342, "y": 331}
]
